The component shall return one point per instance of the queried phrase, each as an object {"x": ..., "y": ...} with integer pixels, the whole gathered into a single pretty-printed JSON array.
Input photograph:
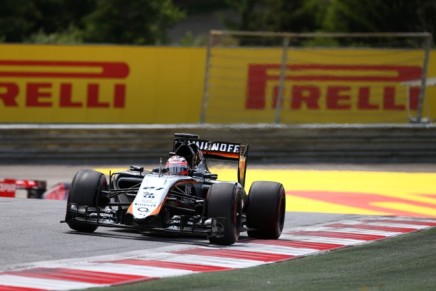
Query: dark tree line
[
  {"x": 94, "y": 21},
  {"x": 335, "y": 15},
  {"x": 147, "y": 21}
]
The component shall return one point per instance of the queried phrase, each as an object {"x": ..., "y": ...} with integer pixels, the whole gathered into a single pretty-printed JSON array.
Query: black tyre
[
  {"x": 266, "y": 210},
  {"x": 224, "y": 200},
  {"x": 85, "y": 191}
]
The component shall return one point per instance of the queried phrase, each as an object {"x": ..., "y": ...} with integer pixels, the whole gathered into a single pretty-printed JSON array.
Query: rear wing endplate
[
  {"x": 226, "y": 151},
  {"x": 219, "y": 150}
]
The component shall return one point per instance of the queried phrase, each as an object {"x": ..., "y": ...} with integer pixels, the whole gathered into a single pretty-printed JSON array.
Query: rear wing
[{"x": 217, "y": 150}]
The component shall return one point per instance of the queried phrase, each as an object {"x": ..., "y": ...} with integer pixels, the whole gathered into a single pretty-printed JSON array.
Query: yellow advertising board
[
  {"x": 100, "y": 84},
  {"x": 132, "y": 84},
  {"x": 319, "y": 86}
]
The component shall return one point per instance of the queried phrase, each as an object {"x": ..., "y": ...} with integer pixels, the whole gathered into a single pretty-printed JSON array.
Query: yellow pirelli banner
[
  {"x": 100, "y": 84},
  {"x": 318, "y": 86},
  {"x": 128, "y": 84}
]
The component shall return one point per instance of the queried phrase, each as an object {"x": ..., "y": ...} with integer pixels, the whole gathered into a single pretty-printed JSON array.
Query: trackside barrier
[
  {"x": 138, "y": 144},
  {"x": 301, "y": 78}
]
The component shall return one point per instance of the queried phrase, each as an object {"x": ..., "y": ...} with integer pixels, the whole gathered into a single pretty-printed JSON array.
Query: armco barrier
[{"x": 139, "y": 144}]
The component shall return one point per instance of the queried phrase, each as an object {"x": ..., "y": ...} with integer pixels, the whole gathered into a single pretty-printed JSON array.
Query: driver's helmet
[{"x": 177, "y": 165}]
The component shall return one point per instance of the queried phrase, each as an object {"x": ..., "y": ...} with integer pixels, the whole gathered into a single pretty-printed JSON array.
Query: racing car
[
  {"x": 182, "y": 198},
  {"x": 10, "y": 187}
]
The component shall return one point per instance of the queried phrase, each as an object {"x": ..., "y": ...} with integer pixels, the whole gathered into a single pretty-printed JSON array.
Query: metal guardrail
[{"x": 138, "y": 144}]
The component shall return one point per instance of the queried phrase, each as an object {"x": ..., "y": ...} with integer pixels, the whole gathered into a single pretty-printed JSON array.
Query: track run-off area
[
  {"x": 365, "y": 206},
  {"x": 402, "y": 193},
  {"x": 356, "y": 192}
]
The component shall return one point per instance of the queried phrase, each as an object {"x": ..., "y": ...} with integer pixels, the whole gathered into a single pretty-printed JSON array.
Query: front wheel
[
  {"x": 266, "y": 210},
  {"x": 85, "y": 191},
  {"x": 224, "y": 201}
]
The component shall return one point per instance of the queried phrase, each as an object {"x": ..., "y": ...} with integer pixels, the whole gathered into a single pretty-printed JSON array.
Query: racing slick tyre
[
  {"x": 85, "y": 191},
  {"x": 224, "y": 201},
  {"x": 266, "y": 210}
]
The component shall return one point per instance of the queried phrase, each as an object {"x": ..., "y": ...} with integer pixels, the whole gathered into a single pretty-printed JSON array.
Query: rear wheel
[
  {"x": 266, "y": 210},
  {"x": 224, "y": 200},
  {"x": 85, "y": 191}
]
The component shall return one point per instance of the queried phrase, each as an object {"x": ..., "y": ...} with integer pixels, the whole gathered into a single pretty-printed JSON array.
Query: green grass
[{"x": 407, "y": 262}]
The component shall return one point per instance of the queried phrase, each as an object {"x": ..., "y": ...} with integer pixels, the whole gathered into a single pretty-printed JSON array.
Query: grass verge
[{"x": 407, "y": 262}]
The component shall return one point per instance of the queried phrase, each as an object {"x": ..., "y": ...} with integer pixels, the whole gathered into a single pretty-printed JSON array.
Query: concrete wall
[{"x": 139, "y": 144}]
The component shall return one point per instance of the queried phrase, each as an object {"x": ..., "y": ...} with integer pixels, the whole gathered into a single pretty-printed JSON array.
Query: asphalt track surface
[{"x": 31, "y": 230}]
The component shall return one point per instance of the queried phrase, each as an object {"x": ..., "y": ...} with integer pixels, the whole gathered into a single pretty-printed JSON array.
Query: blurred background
[{"x": 301, "y": 80}]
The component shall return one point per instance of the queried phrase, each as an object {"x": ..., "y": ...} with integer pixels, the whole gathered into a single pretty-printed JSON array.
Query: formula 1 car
[
  {"x": 197, "y": 203},
  {"x": 10, "y": 187}
]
